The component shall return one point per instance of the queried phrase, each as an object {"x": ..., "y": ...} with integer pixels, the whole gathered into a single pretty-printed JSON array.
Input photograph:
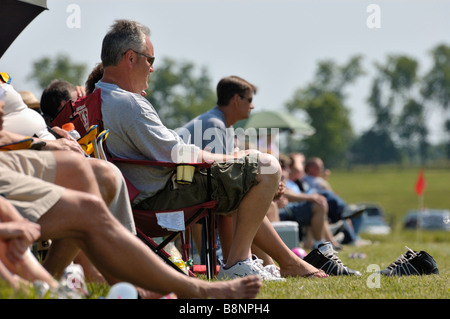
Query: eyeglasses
[
  {"x": 150, "y": 59},
  {"x": 249, "y": 99}
]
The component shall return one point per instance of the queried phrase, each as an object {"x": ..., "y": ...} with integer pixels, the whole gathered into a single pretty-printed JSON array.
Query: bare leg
[
  {"x": 105, "y": 179},
  {"x": 272, "y": 213},
  {"x": 308, "y": 242},
  {"x": 9, "y": 277},
  {"x": 290, "y": 264},
  {"x": 253, "y": 208},
  {"x": 319, "y": 216},
  {"x": 225, "y": 230},
  {"x": 75, "y": 172},
  {"x": 267, "y": 260},
  {"x": 328, "y": 235},
  {"x": 28, "y": 267},
  {"x": 115, "y": 251}
]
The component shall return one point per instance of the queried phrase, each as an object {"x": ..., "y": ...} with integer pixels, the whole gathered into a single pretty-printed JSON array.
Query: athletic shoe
[
  {"x": 71, "y": 285},
  {"x": 43, "y": 291},
  {"x": 412, "y": 263},
  {"x": 73, "y": 280},
  {"x": 250, "y": 266},
  {"x": 324, "y": 257},
  {"x": 352, "y": 211},
  {"x": 271, "y": 269}
]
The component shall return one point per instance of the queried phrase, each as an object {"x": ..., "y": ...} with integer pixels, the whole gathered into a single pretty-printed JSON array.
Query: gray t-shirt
[
  {"x": 136, "y": 132},
  {"x": 208, "y": 131}
]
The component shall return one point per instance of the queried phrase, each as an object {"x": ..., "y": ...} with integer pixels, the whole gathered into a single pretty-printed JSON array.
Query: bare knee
[
  {"x": 106, "y": 179},
  {"x": 320, "y": 210},
  {"x": 71, "y": 168},
  {"x": 76, "y": 216},
  {"x": 269, "y": 169}
]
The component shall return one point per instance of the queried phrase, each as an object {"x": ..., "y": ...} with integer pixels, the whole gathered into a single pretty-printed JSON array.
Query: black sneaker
[
  {"x": 352, "y": 211},
  {"x": 324, "y": 257},
  {"x": 412, "y": 263}
]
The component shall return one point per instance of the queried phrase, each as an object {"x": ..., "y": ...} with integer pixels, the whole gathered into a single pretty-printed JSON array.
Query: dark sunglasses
[
  {"x": 150, "y": 59},
  {"x": 249, "y": 99}
]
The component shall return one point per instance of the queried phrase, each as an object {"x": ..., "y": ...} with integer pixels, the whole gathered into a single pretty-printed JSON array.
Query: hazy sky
[{"x": 273, "y": 43}]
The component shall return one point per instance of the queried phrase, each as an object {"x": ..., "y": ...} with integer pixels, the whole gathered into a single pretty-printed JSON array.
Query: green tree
[
  {"x": 437, "y": 84},
  {"x": 47, "y": 69},
  {"x": 324, "y": 102},
  {"x": 333, "y": 136},
  {"x": 374, "y": 147},
  {"x": 179, "y": 92},
  {"x": 399, "y": 116},
  {"x": 413, "y": 131}
]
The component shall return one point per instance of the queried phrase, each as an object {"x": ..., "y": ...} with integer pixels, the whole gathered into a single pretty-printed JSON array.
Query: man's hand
[
  {"x": 18, "y": 235},
  {"x": 318, "y": 199},
  {"x": 67, "y": 142}
]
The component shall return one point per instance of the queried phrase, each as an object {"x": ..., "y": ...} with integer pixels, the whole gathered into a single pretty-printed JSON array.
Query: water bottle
[
  {"x": 70, "y": 128},
  {"x": 122, "y": 290}
]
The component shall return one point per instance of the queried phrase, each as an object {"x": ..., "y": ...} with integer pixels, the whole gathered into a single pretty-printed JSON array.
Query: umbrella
[
  {"x": 276, "y": 119},
  {"x": 15, "y": 15}
]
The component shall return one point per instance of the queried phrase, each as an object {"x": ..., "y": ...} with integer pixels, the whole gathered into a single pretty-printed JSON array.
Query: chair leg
[
  {"x": 160, "y": 252},
  {"x": 210, "y": 243},
  {"x": 213, "y": 242}
]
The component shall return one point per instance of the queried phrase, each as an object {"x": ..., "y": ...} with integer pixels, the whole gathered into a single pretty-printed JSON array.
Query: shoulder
[
  {"x": 119, "y": 101},
  {"x": 208, "y": 119}
]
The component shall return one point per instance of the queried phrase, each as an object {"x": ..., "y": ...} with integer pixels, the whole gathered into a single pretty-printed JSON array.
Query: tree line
[{"x": 400, "y": 98}]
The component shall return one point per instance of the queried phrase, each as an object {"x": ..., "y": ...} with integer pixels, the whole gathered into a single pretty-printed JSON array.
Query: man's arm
[
  {"x": 65, "y": 143},
  {"x": 300, "y": 197},
  {"x": 18, "y": 232}
]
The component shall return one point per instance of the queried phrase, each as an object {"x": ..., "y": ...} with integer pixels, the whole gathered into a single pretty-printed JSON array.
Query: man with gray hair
[{"x": 244, "y": 182}]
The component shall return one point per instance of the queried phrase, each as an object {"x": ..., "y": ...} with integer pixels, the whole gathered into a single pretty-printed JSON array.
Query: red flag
[{"x": 420, "y": 183}]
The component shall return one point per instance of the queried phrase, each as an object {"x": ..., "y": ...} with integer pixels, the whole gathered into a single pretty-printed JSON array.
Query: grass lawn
[
  {"x": 393, "y": 189},
  {"x": 369, "y": 286}
]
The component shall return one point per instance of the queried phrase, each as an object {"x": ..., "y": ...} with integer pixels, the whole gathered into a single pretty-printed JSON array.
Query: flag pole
[
  {"x": 420, "y": 191},
  {"x": 419, "y": 219}
]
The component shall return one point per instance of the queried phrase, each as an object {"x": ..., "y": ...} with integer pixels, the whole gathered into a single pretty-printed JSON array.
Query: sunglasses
[
  {"x": 150, "y": 59},
  {"x": 249, "y": 99}
]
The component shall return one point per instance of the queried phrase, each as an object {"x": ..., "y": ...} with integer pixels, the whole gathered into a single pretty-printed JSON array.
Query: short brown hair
[
  {"x": 57, "y": 91},
  {"x": 231, "y": 85}
]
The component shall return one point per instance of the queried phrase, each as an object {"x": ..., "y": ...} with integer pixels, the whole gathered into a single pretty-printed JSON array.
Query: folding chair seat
[
  {"x": 147, "y": 225},
  {"x": 86, "y": 112}
]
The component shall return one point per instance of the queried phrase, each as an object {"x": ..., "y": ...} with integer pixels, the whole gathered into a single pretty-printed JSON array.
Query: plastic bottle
[
  {"x": 180, "y": 264},
  {"x": 122, "y": 290},
  {"x": 69, "y": 127}
]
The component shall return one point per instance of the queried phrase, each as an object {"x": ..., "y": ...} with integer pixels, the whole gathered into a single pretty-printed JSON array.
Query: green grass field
[
  {"x": 379, "y": 255},
  {"x": 393, "y": 189}
]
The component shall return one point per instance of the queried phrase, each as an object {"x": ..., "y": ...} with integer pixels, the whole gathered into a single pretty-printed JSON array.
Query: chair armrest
[{"x": 206, "y": 164}]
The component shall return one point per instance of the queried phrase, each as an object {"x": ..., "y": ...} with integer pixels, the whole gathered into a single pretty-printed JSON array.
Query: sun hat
[{"x": 30, "y": 100}]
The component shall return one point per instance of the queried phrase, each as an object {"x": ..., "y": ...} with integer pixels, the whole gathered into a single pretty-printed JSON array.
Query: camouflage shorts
[{"x": 230, "y": 183}]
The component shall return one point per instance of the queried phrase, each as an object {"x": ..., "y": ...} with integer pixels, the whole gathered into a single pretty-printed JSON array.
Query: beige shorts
[{"x": 26, "y": 180}]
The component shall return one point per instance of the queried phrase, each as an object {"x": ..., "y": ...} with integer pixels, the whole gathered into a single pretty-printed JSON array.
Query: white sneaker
[
  {"x": 71, "y": 285},
  {"x": 73, "y": 280},
  {"x": 246, "y": 268},
  {"x": 273, "y": 270}
]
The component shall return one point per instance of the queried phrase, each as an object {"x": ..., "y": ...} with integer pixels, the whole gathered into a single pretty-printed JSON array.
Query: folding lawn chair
[{"x": 86, "y": 112}]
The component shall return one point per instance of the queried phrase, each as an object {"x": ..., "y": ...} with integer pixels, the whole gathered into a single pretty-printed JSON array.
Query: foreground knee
[
  {"x": 106, "y": 179},
  {"x": 269, "y": 168}
]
